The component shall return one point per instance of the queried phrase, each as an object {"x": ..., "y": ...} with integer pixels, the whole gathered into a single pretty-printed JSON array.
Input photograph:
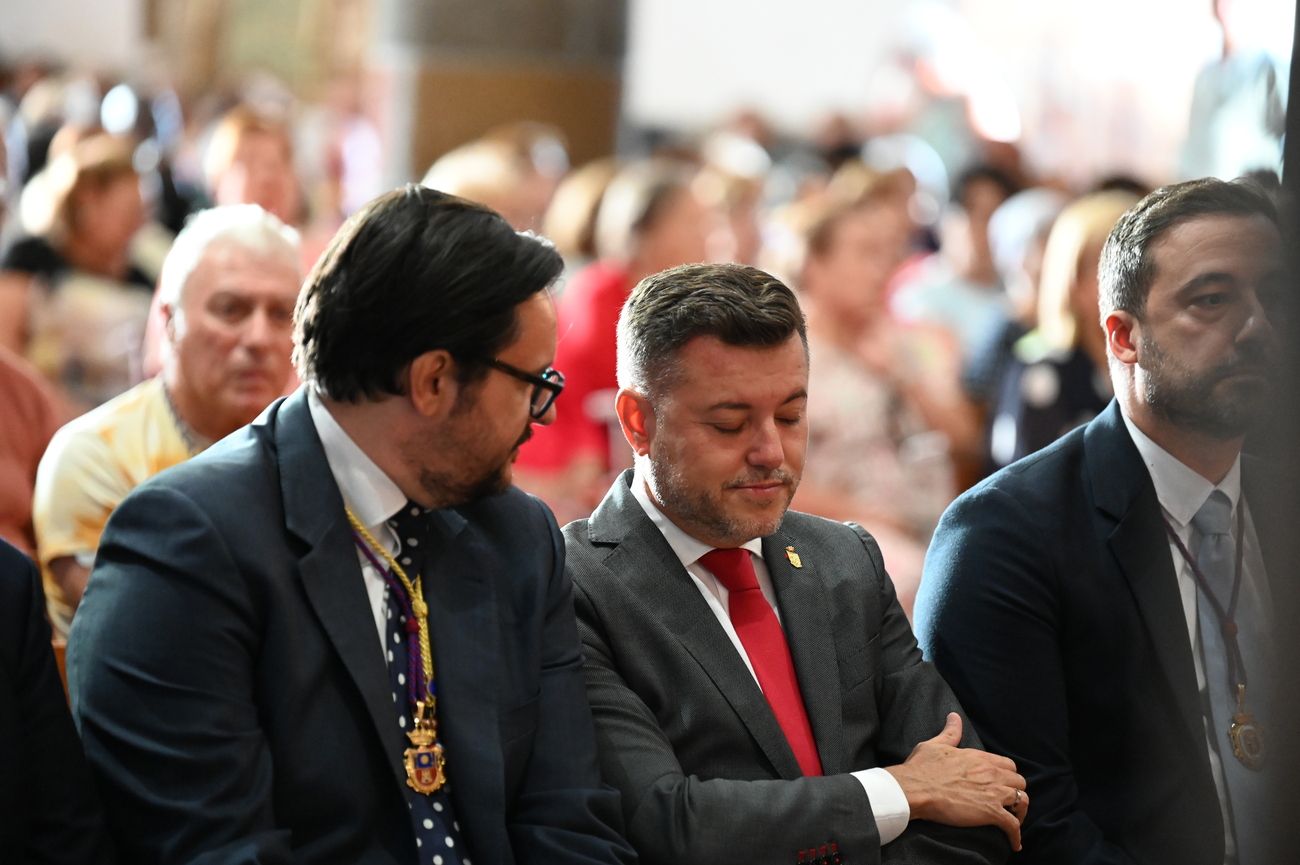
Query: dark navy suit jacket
[
  {"x": 232, "y": 693},
  {"x": 1050, "y": 604},
  {"x": 48, "y": 809}
]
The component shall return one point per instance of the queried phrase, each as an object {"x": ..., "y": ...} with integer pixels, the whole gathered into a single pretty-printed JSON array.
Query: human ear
[
  {"x": 431, "y": 383},
  {"x": 1123, "y": 332},
  {"x": 168, "y": 313},
  {"x": 637, "y": 420}
]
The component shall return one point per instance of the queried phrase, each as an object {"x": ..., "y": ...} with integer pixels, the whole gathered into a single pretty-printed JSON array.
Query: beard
[
  {"x": 476, "y": 476},
  {"x": 1207, "y": 402},
  {"x": 702, "y": 512},
  {"x": 452, "y": 489}
]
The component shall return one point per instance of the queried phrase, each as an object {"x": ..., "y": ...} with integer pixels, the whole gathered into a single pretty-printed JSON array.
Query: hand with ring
[{"x": 957, "y": 786}]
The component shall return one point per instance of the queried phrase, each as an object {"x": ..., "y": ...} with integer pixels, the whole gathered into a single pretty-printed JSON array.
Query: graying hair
[{"x": 246, "y": 226}]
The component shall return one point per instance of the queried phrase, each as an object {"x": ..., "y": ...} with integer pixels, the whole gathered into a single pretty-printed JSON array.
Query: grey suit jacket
[
  {"x": 685, "y": 733},
  {"x": 232, "y": 692}
]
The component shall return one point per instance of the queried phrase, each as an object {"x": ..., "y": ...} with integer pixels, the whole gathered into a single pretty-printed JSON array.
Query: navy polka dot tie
[{"x": 437, "y": 834}]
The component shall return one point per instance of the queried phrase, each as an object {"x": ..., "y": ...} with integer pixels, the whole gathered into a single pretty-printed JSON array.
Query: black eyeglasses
[{"x": 546, "y": 387}]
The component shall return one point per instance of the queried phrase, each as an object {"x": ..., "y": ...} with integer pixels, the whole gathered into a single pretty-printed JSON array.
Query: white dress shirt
[
  {"x": 888, "y": 802},
  {"x": 1182, "y": 492},
  {"x": 369, "y": 493}
]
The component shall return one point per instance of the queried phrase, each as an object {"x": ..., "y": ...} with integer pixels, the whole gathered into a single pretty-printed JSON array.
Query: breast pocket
[
  {"x": 518, "y": 725},
  {"x": 857, "y": 664},
  {"x": 858, "y": 700}
]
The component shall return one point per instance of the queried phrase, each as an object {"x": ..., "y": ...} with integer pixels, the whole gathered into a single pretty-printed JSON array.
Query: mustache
[
  {"x": 528, "y": 433},
  {"x": 1252, "y": 362},
  {"x": 779, "y": 475}
]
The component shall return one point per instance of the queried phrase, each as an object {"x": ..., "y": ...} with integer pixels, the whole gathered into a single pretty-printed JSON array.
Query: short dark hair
[
  {"x": 737, "y": 304},
  {"x": 1127, "y": 270},
  {"x": 413, "y": 271},
  {"x": 981, "y": 172}
]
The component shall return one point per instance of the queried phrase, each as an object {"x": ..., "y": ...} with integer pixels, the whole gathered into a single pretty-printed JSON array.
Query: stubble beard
[
  {"x": 457, "y": 485},
  {"x": 451, "y": 491},
  {"x": 1198, "y": 403},
  {"x": 697, "y": 508}
]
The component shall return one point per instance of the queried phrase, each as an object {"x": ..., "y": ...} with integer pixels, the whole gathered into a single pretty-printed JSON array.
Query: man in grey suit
[
  {"x": 758, "y": 694},
  {"x": 340, "y": 635}
]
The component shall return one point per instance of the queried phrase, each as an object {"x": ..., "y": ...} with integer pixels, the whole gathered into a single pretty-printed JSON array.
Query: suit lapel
[
  {"x": 330, "y": 572},
  {"x": 1123, "y": 491},
  {"x": 642, "y": 559},
  {"x": 806, "y": 618}
]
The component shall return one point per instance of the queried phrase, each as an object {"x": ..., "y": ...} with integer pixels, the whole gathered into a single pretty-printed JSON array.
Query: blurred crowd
[{"x": 951, "y": 307}]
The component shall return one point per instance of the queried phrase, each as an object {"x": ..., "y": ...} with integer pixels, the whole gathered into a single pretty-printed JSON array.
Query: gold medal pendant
[
  {"x": 426, "y": 765},
  {"x": 425, "y": 761},
  {"x": 1244, "y": 734}
]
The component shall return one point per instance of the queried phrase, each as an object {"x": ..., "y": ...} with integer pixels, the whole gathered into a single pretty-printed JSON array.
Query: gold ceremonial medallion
[
  {"x": 795, "y": 561},
  {"x": 425, "y": 761},
  {"x": 1247, "y": 744},
  {"x": 1244, "y": 734},
  {"x": 424, "y": 768}
]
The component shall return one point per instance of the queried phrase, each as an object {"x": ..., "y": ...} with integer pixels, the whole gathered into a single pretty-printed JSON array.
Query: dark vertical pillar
[
  {"x": 447, "y": 70},
  {"x": 1288, "y": 632}
]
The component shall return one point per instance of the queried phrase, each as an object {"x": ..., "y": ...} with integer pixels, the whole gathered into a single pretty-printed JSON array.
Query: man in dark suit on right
[{"x": 1105, "y": 609}]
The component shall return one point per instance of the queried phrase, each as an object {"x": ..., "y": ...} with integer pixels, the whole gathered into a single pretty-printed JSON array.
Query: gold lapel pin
[{"x": 795, "y": 561}]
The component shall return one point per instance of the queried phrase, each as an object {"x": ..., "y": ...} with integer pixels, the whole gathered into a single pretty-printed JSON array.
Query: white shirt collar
[
  {"x": 687, "y": 549},
  {"x": 367, "y": 491},
  {"x": 1180, "y": 489}
]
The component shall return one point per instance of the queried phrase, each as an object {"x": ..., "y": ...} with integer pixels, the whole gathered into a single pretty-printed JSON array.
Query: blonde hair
[
  {"x": 634, "y": 201},
  {"x": 92, "y": 162},
  {"x": 805, "y": 229},
  {"x": 235, "y": 125},
  {"x": 570, "y": 221},
  {"x": 483, "y": 171},
  {"x": 1082, "y": 225}
]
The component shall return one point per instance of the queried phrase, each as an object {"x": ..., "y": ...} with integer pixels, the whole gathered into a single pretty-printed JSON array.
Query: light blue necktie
[{"x": 1216, "y": 557}]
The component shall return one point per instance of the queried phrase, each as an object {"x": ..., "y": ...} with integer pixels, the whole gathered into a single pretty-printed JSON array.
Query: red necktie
[{"x": 764, "y": 641}]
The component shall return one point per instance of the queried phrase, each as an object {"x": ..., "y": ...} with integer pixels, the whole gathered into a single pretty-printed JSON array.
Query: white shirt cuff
[{"x": 888, "y": 803}]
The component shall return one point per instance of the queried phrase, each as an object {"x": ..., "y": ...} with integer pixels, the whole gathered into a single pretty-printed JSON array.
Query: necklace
[
  {"x": 1243, "y": 733},
  {"x": 425, "y": 760},
  {"x": 194, "y": 443}
]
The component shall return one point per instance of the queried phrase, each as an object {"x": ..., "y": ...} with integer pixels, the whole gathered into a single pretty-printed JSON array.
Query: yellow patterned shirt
[{"x": 89, "y": 467}]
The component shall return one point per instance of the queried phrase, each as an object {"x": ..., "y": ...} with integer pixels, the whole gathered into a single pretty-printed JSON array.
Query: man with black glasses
[{"x": 341, "y": 635}]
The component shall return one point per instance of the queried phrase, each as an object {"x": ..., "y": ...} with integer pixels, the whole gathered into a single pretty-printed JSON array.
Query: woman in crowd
[
  {"x": 1058, "y": 378},
  {"x": 650, "y": 219},
  {"x": 71, "y": 298},
  {"x": 884, "y": 406},
  {"x": 570, "y": 221}
]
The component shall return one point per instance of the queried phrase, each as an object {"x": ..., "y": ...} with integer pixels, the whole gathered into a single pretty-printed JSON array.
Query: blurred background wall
[{"x": 1086, "y": 88}]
